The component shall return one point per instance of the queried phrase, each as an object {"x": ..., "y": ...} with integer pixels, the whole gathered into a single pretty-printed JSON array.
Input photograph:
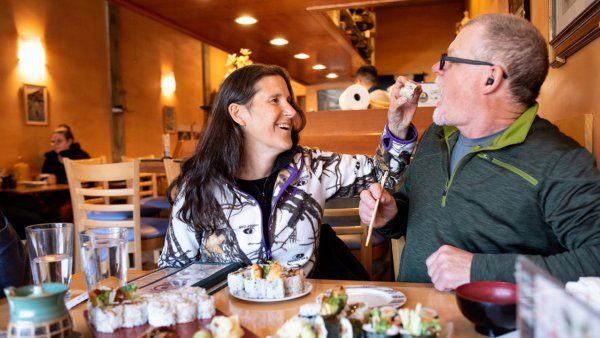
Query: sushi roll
[
  {"x": 408, "y": 90},
  {"x": 350, "y": 328},
  {"x": 107, "y": 318},
  {"x": 135, "y": 314},
  {"x": 226, "y": 327},
  {"x": 186, "y": 311},
  {"x": 206, "y": 307},
  {"x": 296, "y": 327},
  {"x": 235, "y": 281},
  {"x": 274, "y": 289},
  {"x": 161, "y": 313},
  {"x": 309, "y": 312},
  {"x": 255, "y": 288},
  {"x": 320, "y": 327},
  {"x": 382, "y": 323},
  {"x": 293, "y": 282}
]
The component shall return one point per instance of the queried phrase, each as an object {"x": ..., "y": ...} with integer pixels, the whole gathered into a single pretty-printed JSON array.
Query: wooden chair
[
  {"x": 92, "y": 160},
  {"x": 152, "y": 204},
  {"x": 347, "y": 225},
  {"x": 148, "y": 182},
  {"x": 172, "y": 169},
  {"x": 184, "y": 148},
  {"x": 397, "y": 247},
  {"x": 145, "y": 233}
]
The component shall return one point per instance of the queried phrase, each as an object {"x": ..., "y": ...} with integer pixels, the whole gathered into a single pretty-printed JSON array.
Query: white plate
[
  {"x": 307, "y": 290},
  {"x": 372, "y": 296}
]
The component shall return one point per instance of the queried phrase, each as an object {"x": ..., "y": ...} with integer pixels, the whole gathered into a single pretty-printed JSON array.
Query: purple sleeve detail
[{"x": 411, "y": 134}]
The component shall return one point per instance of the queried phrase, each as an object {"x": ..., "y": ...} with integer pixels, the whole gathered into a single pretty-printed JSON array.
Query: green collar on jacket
[{"x": 514, "y": 134}]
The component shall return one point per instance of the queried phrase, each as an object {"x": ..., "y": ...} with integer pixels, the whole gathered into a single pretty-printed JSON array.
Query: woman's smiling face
[{"x": 268, "y": 117}]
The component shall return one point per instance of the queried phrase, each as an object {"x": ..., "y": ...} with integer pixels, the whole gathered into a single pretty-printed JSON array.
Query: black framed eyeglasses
[{"x": 445, "y": 58}]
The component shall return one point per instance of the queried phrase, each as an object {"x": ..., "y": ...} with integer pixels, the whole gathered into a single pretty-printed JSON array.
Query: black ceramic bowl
[{"x": 491, "y": 306}]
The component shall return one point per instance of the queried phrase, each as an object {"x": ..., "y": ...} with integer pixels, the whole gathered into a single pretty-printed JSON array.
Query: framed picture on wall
[
  {"x": 328, "y": 99},
  {"x": 520, "y": 8},
  {"x": 36, "y": 104},
  {"x": 573, "y": 24},
  {"x": 169, "y": 119}
]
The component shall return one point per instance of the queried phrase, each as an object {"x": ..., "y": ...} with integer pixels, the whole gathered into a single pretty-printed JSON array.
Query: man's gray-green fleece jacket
[{"x": 533, "y": 191}]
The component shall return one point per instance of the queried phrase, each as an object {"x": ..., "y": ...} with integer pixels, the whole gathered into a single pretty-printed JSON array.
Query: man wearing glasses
[{"x": 490, "y": 179}]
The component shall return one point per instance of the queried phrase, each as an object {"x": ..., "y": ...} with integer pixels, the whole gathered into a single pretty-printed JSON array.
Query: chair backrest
[
  {"x": 172, "y": 169},
  {"x": 92, "y": 160},
  {"x": 184, "y": 148},
  {"x": 351, "y": 225},
  {"x": 148, "y": 181},
  {"x": 128, "y": 172}
]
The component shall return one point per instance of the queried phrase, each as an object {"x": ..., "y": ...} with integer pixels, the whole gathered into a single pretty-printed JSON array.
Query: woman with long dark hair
[{"x": 250, "y": 193}]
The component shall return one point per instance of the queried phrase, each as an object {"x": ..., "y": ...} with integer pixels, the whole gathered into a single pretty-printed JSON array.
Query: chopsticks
[{"x": 370, "y": 231}]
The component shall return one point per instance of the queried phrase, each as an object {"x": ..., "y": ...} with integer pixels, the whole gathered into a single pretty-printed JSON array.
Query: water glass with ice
[
  {"x": 105, "y": 257},
  {"x": 50, "y": 252}
]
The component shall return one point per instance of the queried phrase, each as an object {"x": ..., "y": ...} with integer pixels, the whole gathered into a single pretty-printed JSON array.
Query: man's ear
[
  {"x": 236, "y": 112},
  {"x": 493, "y": 80}
]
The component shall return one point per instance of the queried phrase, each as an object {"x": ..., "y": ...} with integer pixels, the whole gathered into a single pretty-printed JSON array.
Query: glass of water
[
  {"x": 105, "y": 257},
  {"x": 50, "y": 252}
]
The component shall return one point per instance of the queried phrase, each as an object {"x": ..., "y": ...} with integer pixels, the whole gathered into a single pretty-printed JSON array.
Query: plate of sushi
[
  {"x": 123, "y": 312},
  {"x": 371, "y": 296},
  {"x": 335, "y": 316},
  {"x": 269, "y": 282}
]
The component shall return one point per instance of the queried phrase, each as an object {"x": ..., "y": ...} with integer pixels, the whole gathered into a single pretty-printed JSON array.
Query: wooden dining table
[
  {"x": 264, "y": 319},
  {"x": 26, "y": 189}
]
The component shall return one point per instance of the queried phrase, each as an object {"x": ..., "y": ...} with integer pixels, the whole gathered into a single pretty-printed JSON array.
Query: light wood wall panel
[
  {"x": 148, "y": 50},
  {"x": 76, "y": 76},
  {"x": 353, "y": 131}
]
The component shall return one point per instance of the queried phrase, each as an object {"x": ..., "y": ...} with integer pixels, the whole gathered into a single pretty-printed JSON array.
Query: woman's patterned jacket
[{"x": 301, "y": 189}]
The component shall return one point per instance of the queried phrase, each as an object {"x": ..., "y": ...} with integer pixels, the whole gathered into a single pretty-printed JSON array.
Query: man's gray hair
[{"x": 516, "y": 45}]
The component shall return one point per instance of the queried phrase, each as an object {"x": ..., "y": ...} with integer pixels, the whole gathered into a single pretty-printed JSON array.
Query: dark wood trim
[
  {"x": 583, "y": 30},
  {"x": 117, "y": 94},
  {"x": 340, "y": 38},
  {"x": 366, "y": 3}
]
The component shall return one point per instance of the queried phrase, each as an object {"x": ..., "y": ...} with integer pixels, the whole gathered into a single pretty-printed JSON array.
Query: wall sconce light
[
  {"x": 167, "y": 84},
  {"x": 32, "y": 58}
]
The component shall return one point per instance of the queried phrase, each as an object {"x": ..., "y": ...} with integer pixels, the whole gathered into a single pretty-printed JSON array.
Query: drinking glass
[
  {"x": 50, "y": 252},
  {"x": 105, "y": 258}
]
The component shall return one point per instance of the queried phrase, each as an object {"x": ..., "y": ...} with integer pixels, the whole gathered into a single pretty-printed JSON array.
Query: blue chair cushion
[
  {"x": 110, "y": 215},
  {"x": 156, "y": 202},
  {"x": 151, "y": 227}
]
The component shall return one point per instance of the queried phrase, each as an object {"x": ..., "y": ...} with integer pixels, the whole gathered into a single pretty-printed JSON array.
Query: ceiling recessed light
[
  {"x": 319, "y": 67},
  {"x": 301, "y": 56},
  {"x": 279, "y": 42},
  {"x": 332, "y": 76},
  {"x": 246, "y": 20}
]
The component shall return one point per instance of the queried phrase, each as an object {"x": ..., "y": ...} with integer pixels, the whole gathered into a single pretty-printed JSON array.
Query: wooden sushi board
[{"x": 183, "y": 330}]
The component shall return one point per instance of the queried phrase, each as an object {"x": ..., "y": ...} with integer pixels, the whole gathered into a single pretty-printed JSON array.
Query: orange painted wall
[
  {"x": 572, "y": 89},
  {"x": 476, "y": 7},
  {"x": 410, "y": 39},
  {"x": 76, "y": 76},
  {"x": 149, "y": 50}
]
